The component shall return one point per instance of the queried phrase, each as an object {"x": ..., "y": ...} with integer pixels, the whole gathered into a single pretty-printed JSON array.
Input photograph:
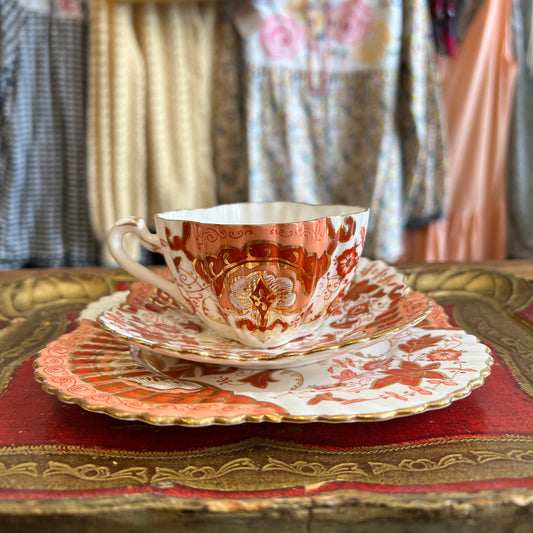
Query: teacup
[{"x": 260, "y": 273}]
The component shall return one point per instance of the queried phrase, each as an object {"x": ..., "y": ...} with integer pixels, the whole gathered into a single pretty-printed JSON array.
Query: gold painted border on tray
[
  {"x": 499, "y": 510},
  {"x": 431, "y": 461}
]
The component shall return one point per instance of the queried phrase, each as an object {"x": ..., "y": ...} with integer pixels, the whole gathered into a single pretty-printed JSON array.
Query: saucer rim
[
  {"x": 269, "y": 361},
  {"x": 158, "y": 347}
]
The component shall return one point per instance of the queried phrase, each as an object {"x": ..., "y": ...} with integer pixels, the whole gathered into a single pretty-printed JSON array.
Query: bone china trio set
[{"x": 264, "y": 312}]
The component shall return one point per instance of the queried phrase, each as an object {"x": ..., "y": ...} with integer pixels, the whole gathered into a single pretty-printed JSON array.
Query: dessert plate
[
  {"x": 378, "y": 304},
  {"x": 421, "y": 368}
]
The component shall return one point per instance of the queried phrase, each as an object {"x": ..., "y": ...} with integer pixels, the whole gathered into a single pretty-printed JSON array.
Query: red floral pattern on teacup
[
  {"x": 281, "y": 36},
  {"x": 257, "y": 257},
  {"x": 346, "y": 261},
  {"x": 261, "y": 285},
  {"x": 351, "y": 22}
]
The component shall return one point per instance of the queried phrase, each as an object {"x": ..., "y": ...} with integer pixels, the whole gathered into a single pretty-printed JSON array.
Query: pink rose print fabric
[
  {"x": 339, "y": 108},
  {"x": 70, "y": 8},
  {"x": 351, "y": 22},
  {"x": 281, "y": 36}
]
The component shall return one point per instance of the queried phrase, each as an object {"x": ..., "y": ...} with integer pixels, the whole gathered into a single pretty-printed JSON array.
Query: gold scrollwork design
[
  {"x": 440, "y": 281},
  {"x": 23, "y": 297},
  {"x": 92, "y": 472},
  {"x": 421, "y": 464},
  {"x": 522, "y": 456},
  {"x": 201, "y": 473},
  {"x": 263, "y": 464},
  {"x": 315, "y": 469},
  {"x": 454, "y": 459},
  {"x": 20, "y": 469}
]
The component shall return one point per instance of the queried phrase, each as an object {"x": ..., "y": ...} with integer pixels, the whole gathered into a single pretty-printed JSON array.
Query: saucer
[
  {"x": 378, "y": 304},
  {"x": 421, "y": 368}
]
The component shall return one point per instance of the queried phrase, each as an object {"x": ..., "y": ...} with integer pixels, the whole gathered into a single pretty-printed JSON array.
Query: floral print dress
[{"x": 340, "y": 106}]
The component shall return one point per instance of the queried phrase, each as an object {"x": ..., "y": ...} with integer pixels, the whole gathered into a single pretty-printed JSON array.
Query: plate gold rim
[{"x": 230, "y": 421}]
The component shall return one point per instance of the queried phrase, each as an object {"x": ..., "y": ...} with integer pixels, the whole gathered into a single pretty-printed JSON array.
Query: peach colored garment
[{"x": 477, "y": 87}]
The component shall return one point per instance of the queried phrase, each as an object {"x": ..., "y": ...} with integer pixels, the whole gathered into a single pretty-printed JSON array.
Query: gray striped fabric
[{"x": 44, "y": 220}]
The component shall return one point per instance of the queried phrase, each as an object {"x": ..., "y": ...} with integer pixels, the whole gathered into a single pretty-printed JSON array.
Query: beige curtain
[{"x": 149, "y": 124}]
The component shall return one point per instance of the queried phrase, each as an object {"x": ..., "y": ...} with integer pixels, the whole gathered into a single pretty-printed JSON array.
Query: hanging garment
[
  {"x": 443, "y": 21},
  {"x": 44, "y": 220},
  {"x": 341, "y": 106},
  {"x": 520, "y": 178},
  {"x": 149, "y": 143},
  {"x": 229, "y": 116},
  {"x": 477, "y": 87},
  {"x": 465, "y": 14}
]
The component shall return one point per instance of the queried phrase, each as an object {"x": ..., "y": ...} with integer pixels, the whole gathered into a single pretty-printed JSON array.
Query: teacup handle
[{"x": 147, "y": 239}]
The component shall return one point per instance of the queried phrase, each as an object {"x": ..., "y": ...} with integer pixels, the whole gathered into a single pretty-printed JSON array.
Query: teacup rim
[{"x": 192, "y": 215}]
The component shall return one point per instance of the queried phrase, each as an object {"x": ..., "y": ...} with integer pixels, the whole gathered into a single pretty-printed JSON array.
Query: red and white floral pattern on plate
[
  {"x": 377, "y": 304},
  {"x": 423, "y": 367}
]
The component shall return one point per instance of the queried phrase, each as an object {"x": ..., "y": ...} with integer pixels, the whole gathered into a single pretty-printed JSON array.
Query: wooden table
[{"x": 462, "y": 468}]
